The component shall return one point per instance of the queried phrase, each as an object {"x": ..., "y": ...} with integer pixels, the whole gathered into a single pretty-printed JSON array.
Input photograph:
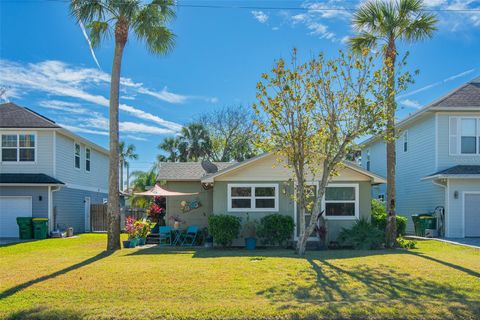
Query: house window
[
  {"x": 368, "y": 160},
  {"x": 341, "y": 201},
  {"x": 87, "y": 159},
  {"x": 469, "y": 133},
  {"x": 405, "y": 141},
  {"x": 18, "y": 147},
  {"x": 381, "y": 197},
  {"x": 252, "y": 197},
  {"x": 77, "y": 155}
]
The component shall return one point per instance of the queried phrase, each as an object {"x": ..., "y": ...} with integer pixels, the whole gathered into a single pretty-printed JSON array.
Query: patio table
[{"x": 177, "y": 235}]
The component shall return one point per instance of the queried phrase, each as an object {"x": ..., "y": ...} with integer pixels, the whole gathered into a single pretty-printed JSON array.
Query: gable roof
[
  {"x": 463, "y": 98},
  {"x": 376, "y": 179},
  {"x": 14, "y": 116},
  {"x": 187, "y": 171},
  {"x": 28, "y": 178}
]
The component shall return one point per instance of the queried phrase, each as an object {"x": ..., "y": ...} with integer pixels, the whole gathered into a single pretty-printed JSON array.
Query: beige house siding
[{"x": 198, "y": 216}]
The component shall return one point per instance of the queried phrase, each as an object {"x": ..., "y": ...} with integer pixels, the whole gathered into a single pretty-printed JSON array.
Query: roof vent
[{"x": 209, "y": 167}]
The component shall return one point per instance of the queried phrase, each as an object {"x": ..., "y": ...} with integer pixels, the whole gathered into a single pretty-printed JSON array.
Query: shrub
[
  {"x": 379, "y": 218},
  {"x": 406, "y": 244},
  {"x": 363, "y": 235},
  {"x": 224, "y": 228},
  {"x": 276, "y": 229}
]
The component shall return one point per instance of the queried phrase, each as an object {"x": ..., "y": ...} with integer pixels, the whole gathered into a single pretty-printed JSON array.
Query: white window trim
[
  {"x": 75, "y": 154},
  {"x": 87, "y": 159},
  {"x": 17, "y": 133},
  {"x": 357, "y": 202},
  {"x": 252, "y": 197},
  {"x": 458, "y": 136}
]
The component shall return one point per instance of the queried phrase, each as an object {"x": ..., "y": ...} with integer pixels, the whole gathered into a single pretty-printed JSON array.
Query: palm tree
[
  {"x": 142, "y": 181},
  {"x": 170, "y": 145},
  {"x": 383, "y": 23},
  {"x": 126, "y": 154},
  {"x": 148, "y": 23},
  {"x": 196, "y": 139}
]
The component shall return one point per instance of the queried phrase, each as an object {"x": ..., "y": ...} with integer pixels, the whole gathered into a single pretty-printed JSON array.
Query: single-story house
[{"x": 260, "y": 186}]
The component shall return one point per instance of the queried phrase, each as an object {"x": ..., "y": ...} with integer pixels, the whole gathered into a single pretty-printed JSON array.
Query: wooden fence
[{"x": 99, "y": 218}]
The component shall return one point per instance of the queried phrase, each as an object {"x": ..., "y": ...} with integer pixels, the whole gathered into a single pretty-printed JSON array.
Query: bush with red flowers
[{"x": 130, "y": 227}]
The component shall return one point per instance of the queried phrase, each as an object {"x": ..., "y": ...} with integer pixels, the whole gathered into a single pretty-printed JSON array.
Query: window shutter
[{"x": 453, "y": 135}]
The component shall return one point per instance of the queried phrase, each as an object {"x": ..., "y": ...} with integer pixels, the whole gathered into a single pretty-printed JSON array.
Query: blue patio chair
[
  {"x": 190, "y": 236},
  {"x": 165, "y": 235}
]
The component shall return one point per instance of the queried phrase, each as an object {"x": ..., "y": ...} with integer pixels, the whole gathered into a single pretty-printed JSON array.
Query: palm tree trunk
[
  {"x": 113, "y": 208},
  {"x": 391, "y": 229},
  {"x": 128, "y": 175},
  {"x": 121, "y": 174}
]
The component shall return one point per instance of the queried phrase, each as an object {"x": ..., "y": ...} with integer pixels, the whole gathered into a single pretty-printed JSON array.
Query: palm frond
[
  {"x": 87, "y": 11},
  {"x": 368, "y": 17},
  {"x": 150, "y": 26},
  {"x": 98, "y": 31},
  {"x": 421, "y": 28},
  {"x": 127, "y": 9},
  {"x": 362, "y": 41}
]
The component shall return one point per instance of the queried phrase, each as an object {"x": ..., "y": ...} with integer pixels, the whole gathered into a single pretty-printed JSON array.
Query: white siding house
[
  {"x": 39, "y": 172},
  {"x": 438, "y": 161}
]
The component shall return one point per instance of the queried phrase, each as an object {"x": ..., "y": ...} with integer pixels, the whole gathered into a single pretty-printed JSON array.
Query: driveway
[{"x": 474, "y": 242}]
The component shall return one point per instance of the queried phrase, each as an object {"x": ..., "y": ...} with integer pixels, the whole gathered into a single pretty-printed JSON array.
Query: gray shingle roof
[
  {"x": 28, "y": 178},
  {"x": 459, "y": 170},
  {"x": 14, "y": 116},
  {"x": 467, "y": 95},
  {"x": 186, "y": 171}
]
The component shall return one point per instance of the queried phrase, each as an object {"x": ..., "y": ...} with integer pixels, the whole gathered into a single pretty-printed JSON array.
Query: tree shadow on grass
[
  {"x": 334, "y": 287},
  {"x": 447, "y": 264},
  {"x": 27, "y": 284},
  {"x": 43, "y": 313}
]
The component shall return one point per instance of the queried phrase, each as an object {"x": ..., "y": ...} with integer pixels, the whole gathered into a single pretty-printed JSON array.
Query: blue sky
[{"x": 46, "y": 63}]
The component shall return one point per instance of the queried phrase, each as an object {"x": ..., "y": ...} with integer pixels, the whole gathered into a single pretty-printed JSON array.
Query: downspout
[{"x": 51, "y": 190}]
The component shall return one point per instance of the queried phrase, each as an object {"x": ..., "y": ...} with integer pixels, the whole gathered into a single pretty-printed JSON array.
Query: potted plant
[
  {"x": 131, "y": 230},
  {"x": 176, "y": 221},
  {"x": 143, "y": 230},
  {"x": 249, "y": 232}
]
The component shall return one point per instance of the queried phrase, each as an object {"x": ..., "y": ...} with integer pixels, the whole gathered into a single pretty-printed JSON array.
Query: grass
[{"x": 75, "y": 279}]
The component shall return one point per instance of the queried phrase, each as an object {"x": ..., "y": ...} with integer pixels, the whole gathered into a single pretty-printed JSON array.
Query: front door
[
  {"x": 472, "y": 214},
  {"x": 87, "y": 214}
]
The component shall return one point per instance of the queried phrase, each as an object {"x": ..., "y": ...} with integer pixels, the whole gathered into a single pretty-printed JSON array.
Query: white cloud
[
  {"x": 432, "y": 85},
  {"x": 61, "y": 80},
  {"x": 164, "y": 95},
  {"x": 83, "y": 130},
  {"x": 411, "y": 103},
  {"x": 320, "y": 30},
  {"x": 260, "y": 16},
  {"x": 89, "y": 44}
]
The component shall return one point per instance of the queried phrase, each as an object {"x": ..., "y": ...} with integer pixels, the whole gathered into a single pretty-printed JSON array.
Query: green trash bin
[
  {"x": 40, "y": 228},
  {"x": 25, "y": 230},
  {"x": 423, "y": 221}
]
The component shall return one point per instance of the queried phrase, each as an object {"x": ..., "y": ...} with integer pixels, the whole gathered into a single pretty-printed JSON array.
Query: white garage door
[
  {"x": 10, "y": 209},
  {"x": 472, "y": 214}
]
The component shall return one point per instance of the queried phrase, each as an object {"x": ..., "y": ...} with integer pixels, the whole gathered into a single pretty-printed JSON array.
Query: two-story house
[
  {"x": 438, "y": 161},
  {"x": 47, "y": 171}
]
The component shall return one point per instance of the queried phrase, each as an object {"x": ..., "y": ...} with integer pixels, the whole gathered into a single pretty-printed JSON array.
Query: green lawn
[{"x": 74, "y": 279}]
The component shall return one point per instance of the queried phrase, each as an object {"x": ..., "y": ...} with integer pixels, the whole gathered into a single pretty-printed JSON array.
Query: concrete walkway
[{"x": 468, "y": 242}]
